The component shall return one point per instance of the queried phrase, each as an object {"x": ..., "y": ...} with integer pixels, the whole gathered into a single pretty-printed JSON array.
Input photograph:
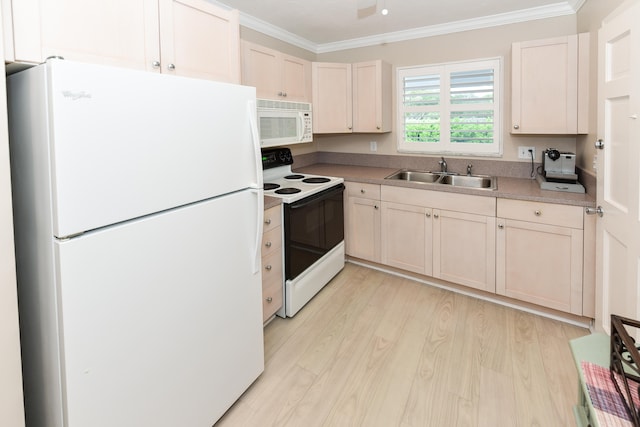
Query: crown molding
[
  {"x": 543, "y": 12},
  {"x": 563, "y": 8}
]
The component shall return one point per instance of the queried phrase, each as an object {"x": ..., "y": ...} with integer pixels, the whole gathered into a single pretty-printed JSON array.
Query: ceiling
[{"x": 329, "y": 25}]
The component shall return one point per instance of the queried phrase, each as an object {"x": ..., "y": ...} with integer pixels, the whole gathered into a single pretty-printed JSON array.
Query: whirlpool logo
[{"x": 75, "y": 95}]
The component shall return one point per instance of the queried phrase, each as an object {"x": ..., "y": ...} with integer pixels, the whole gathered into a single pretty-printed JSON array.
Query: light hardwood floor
[{"x": 374, "y": 349}]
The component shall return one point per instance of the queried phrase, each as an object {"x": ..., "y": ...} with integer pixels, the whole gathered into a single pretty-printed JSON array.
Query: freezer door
[
  {"x": 126, "y": 143},
  {"x": 161, "y": 317}
]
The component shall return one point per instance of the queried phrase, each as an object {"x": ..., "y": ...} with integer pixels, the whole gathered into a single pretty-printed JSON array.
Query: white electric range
[{"x": 313, "y": 226}]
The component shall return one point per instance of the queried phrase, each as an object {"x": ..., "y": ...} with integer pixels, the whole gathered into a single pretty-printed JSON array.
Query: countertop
[
  {"x": 508, "y": 188},
  {"x": 270, "y": 202}
]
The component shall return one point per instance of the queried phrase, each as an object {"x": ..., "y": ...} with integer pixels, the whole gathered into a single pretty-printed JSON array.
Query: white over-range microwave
[{"x": 284, "y": 122}]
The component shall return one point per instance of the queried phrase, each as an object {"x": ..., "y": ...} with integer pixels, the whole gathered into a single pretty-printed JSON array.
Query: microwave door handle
[{"x": 300, "y": 126}]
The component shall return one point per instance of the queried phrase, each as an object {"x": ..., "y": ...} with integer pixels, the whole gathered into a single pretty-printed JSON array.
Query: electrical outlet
[
  {"x": 523, "y": 152},
  {"x": 373, "y": 146}
]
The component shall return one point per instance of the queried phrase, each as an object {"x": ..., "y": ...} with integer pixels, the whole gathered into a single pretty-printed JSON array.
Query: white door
[
  {"x": 161, "y": 318},
  {"x": 618, "y": 235}
]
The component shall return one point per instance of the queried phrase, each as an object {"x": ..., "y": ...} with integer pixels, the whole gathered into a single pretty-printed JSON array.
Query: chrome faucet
[{"x": 443, "y": 165}]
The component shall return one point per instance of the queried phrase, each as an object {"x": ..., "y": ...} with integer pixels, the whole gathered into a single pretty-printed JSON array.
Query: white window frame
[{"x": 445, "y": 107}]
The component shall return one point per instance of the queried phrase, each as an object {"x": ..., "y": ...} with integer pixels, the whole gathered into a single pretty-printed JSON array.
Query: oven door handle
[{"x": 325, "y": 194}]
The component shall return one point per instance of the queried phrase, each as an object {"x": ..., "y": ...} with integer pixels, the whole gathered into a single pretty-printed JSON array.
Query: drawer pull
[
  {"x": 269, "y": 299},
  {"x": 538, "y": 212},
  {"x": 267, "y": 221},
  {"x": 268, "y": 267},
  {"x": 268, "y": 244}
]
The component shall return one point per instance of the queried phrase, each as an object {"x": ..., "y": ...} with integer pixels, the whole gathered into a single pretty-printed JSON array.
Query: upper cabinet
[
  {"x": 332, "y": 98},
  {"x": 351, "y": 97},
  {"x": 184, "y": 37},
  {"x": 274, "y": 74},
  {"x": 550, "y": 90}
]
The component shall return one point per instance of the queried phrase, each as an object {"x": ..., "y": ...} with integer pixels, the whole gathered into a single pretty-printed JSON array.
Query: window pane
[
  {"x": 422, "y": 127},
  {"x": 472, "y": 127},
  {"x": 472, "y": 87},
  {"x": 421, "y": 90}
]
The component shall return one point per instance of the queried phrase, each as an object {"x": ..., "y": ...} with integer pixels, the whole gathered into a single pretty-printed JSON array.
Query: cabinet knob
[
  {"x": 155, "y": 64},
  {"x": 268, "y": 267},
  {"x": 516, "y": 126},
  {"x": 538, "y": 212},
  {"x": 599, "y": 144},
  {"x": 267, "y": 221},
  {"x": 428, "y": 215},
  {"x": 269, "y": 299},
  {"x": 378, "y": 127},
  {"x": 362, "y": 191},
  {"x": 268, "y": 244},
  {"x": 171, "y": 67},
  {"x": 349, "y": 127},
  {"x": 500, "y": 226},
  {"x": 436, "y": 216},
  {"x": 375, "y": 207}
]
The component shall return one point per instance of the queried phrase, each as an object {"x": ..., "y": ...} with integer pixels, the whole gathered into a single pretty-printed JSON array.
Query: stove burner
[
  {"x": 316, "y": 180},
  {"x": 295, "y": 176},
  {"x": 270, "y": 186},
  {"x": 288, "y": 190}
]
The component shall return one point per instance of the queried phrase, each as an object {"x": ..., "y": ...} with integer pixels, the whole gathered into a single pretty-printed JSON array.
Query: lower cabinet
[
  {"x": 529, "y": 251},
  {"x": 464, "y": 249},
  {"x": 444, "y": 235},
  {"x": 362, "y": 221},
  {"x": 407, "y": 237},
  {"x": 272, "y": 272},
  {"x": 540, "y": 254}
]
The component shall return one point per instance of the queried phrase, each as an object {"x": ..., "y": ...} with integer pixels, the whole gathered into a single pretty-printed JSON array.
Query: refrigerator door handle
[
  {"x": 253, "y": 122},
  {"x": 257, "y": 255}
]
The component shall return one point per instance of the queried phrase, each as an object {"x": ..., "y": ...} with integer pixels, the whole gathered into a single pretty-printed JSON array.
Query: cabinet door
[
  {"x": 363, "y": 229},
  {"x": 540, "y": 264},
  {"x": 296, "y": 78},
  {"x": 545, "y": 86},
  {"x": 119, "y": 32},
  {"x": 198, "y": 39},
  {"x": 464, "y": 249},
  {"x": 407, "y": 237},
  {"x": 332, "y": 97},
  {"x": 261, "y": 68},
  {"x": 372, "y": 97}
]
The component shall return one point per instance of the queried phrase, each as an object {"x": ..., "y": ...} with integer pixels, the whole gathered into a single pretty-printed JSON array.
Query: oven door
[{"x": 313, "y": 226}]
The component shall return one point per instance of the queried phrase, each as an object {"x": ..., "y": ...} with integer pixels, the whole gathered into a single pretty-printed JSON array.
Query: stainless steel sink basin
[
  {"x": 483, "y": 182},
  {"x": 416, "y": 176},
  {"x": 469, "y": 181}
]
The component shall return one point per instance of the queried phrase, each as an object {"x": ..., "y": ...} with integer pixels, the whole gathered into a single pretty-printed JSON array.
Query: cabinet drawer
[
  {"x": 272, "y": 241},
  {"x": 272, "y": 218},
  {"x": 272, "y": 268},
  {"x": 271, "y": 284},
  {"x": 271, "y": 299},
  {"x": 363, "y": 191},
  {"x": 542, "y": 213}
]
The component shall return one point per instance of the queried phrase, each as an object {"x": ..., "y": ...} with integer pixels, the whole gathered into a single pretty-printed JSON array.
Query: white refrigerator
[{"x": 138, "y": 216}]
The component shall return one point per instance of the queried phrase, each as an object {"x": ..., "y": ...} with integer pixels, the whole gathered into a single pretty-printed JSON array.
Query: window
[{"x": 450, "y": 108}]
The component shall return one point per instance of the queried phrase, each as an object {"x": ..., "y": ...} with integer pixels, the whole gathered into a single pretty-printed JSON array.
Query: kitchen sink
[
  {"x": 415, "y": 176},
  {"x": 483, "y": 182},
  {"x": 470, "y": 181}
]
